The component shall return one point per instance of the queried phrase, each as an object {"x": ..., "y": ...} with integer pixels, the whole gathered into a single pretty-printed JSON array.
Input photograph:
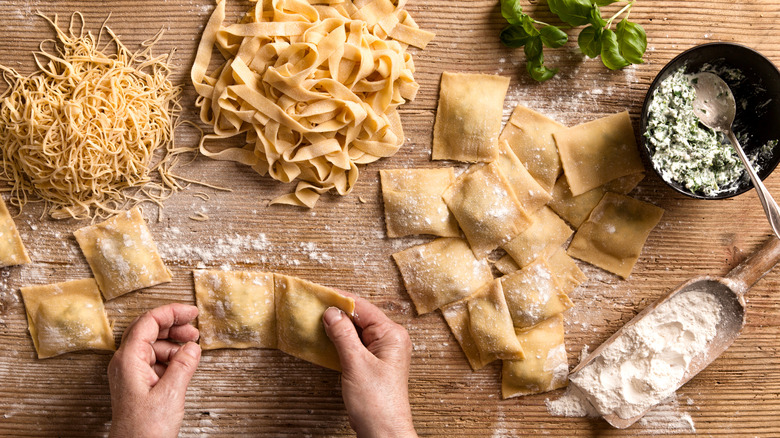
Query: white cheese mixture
[
  {"x": 687, "y": 152},
  {"x": 646, "y": 364}
]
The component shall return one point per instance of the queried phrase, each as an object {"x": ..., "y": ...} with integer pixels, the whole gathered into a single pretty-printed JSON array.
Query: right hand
[{"x": 375, "y": 370}]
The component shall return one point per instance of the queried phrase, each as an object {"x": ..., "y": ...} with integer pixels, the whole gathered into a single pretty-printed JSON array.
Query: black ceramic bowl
[{"x": 759, "y": 116}]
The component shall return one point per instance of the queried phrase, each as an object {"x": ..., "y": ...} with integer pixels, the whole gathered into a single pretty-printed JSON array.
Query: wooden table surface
[{"x": 342, "y": 243}]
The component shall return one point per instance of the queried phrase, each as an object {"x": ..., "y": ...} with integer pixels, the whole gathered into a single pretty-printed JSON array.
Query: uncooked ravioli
[
  {"x": 122, "y": 254},
  {"x": 65, "y": 317},
  {"x": 236, "y": 309}
]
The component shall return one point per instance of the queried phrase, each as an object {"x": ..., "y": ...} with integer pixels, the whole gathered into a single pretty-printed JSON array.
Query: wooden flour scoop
[{"x": 729, "y": 291}]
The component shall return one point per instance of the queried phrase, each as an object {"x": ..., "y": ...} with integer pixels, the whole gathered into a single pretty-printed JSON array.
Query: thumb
[
  {"x": 180, "y": 370},
  {"x": 343, "y": 334}
]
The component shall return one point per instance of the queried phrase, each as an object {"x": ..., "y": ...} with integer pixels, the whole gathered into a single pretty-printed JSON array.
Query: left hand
[{"x": 149, "y": 373}]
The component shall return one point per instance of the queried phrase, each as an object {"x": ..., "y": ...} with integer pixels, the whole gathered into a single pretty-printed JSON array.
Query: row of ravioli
[
  {"x": 237, "y": 309},
  {"x": 532, "y": 185}
]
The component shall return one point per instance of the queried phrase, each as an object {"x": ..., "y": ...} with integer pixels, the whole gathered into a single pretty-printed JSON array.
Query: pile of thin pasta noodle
[
  {"x": 81, "y": 133},
  {"x": 313, "y": 86}
]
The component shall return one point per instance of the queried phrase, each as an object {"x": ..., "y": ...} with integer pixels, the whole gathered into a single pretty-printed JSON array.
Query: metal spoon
[
  {"x": 715, "y": 107},
  {"x": 729, "y": 291}
]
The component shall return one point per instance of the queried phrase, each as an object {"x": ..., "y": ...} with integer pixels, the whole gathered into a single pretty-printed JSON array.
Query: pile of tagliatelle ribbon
[{"x": 313, "y": 87}]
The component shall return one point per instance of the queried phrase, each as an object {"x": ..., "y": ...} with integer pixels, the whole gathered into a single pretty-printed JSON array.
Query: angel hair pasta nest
[
  {"x": 84, "y": 128},
  {"x": 313, "y": 86}
]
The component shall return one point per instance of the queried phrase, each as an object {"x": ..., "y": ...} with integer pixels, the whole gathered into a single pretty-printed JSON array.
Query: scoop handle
[{"x": 747, "y": 273}]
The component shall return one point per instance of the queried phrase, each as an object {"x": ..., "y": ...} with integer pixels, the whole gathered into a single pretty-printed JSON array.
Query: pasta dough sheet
[
  {"x": 576, "y": 209},
  {"x": 468, "y": 118},
  {"x": 441, "y": 272},
  {"x": 236, "y": 309},
  {"x": 413, "y": 202},
  {"x": 486, "y": 208},
  {"x": 613, "y": 236},
  {"x": 122, "y": 254},
  {"x": 12, "y": 251},
  {"x": 594, "y": 153},
  {"x": 300, "y": 305},
  {"x": 66, "y": 317},
  {"x": 530, "y": 135},
  {"x": 545, "y": 366}
]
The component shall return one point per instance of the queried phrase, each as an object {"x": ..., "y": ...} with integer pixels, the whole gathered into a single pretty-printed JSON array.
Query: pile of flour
[{"x": 646, "y": 364}]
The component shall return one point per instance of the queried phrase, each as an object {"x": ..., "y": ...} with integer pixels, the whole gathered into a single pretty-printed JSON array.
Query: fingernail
[
  {"x": 332, "y": 315},
  {"x": 192, "y": 349}
]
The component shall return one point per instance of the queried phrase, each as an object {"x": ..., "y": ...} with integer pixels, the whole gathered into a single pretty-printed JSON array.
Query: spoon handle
[
  {"x": 747, "y": 273},
  {"x": 769, "y": 204}
]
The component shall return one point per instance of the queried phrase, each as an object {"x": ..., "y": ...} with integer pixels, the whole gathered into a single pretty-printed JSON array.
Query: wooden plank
[{"x": 342, "y": 243}]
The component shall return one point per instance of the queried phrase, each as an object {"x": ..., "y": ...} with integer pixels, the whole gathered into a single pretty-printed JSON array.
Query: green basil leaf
[
  {"x": 511, "y": 11},
  {"x": 528, "y": 25},
  {"x": 589, "y": 41},
  {"x": 553, "y": 37},
  {"x": 610, "y": 51},
  {"x": 533, "y": 48},
  {"x": 595, "y": 18},
  {"x": 632, "y": 41},
  {"x": 573, "y": 12},
  {"x": 514, "y": 36},
  {"x": 538, "y": 71},
  {"x": 604, "y": 2}
]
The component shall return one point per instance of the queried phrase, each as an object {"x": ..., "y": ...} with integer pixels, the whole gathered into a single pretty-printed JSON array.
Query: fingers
[
  {"x": 344, "y": 336},
  {"x": 149, "y": 326},
  {"x": 181, "y": 367},
  {"x": 180, "y": 333},
  {"x": 367, "y": 314},
  {"x": 165, "y": 350},
  {"x": 384, "y": 338}
]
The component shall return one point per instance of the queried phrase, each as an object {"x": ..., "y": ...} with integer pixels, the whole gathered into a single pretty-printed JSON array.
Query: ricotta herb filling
[{"x": 687, "y": 152}]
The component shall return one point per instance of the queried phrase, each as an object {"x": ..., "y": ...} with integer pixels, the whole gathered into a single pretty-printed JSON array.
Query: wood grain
[{"x": 265, "y": 392}]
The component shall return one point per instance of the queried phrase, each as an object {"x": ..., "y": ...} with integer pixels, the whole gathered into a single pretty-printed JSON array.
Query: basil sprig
[{"x": 617, "y": 48}]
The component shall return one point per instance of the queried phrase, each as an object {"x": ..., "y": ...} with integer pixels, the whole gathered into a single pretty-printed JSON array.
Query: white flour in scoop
[{"x": 646, "y": 364}]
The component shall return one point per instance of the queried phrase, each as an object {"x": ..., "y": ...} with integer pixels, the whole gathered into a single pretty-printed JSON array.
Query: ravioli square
[
  {"x": 236, "y": 309},
  {"x": 534, "y": 294},
  {"x": 506, "y": 264},
  {"x": 486, "y": 208},
  {"x": 122, "y": 254},
  {"x": 545, "y": 367},
  {"x": 300, "y": 305},
  {"x": 613, "y": 236},
  {"x": 457, "y": 316},
  {"x": 547, "y": 230},
  {"x": 490, "y": 324},
  {"x": 12, "y": 250},
  {"x": 576, "y": 209},
  {"x": 441, "y": 272},
  {"x": 413, "y": 202},
  {"x": 528, "y": 192},
  {"x": 599, "y": 151},
  {"x": 565, "y": 270},
  {"x": 530, "y": 135},
  {"x": 65, "y": 317},
  {"x": 468, "y": 118}
]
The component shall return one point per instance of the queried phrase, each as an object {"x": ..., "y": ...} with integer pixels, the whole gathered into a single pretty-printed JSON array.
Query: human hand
[
  {"x": 375, "y": 370},
  {"x": 149, "y": 374}
]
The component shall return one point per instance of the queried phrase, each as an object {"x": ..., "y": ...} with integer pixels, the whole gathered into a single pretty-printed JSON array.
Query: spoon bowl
[{"x": 729, "y": 291}]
